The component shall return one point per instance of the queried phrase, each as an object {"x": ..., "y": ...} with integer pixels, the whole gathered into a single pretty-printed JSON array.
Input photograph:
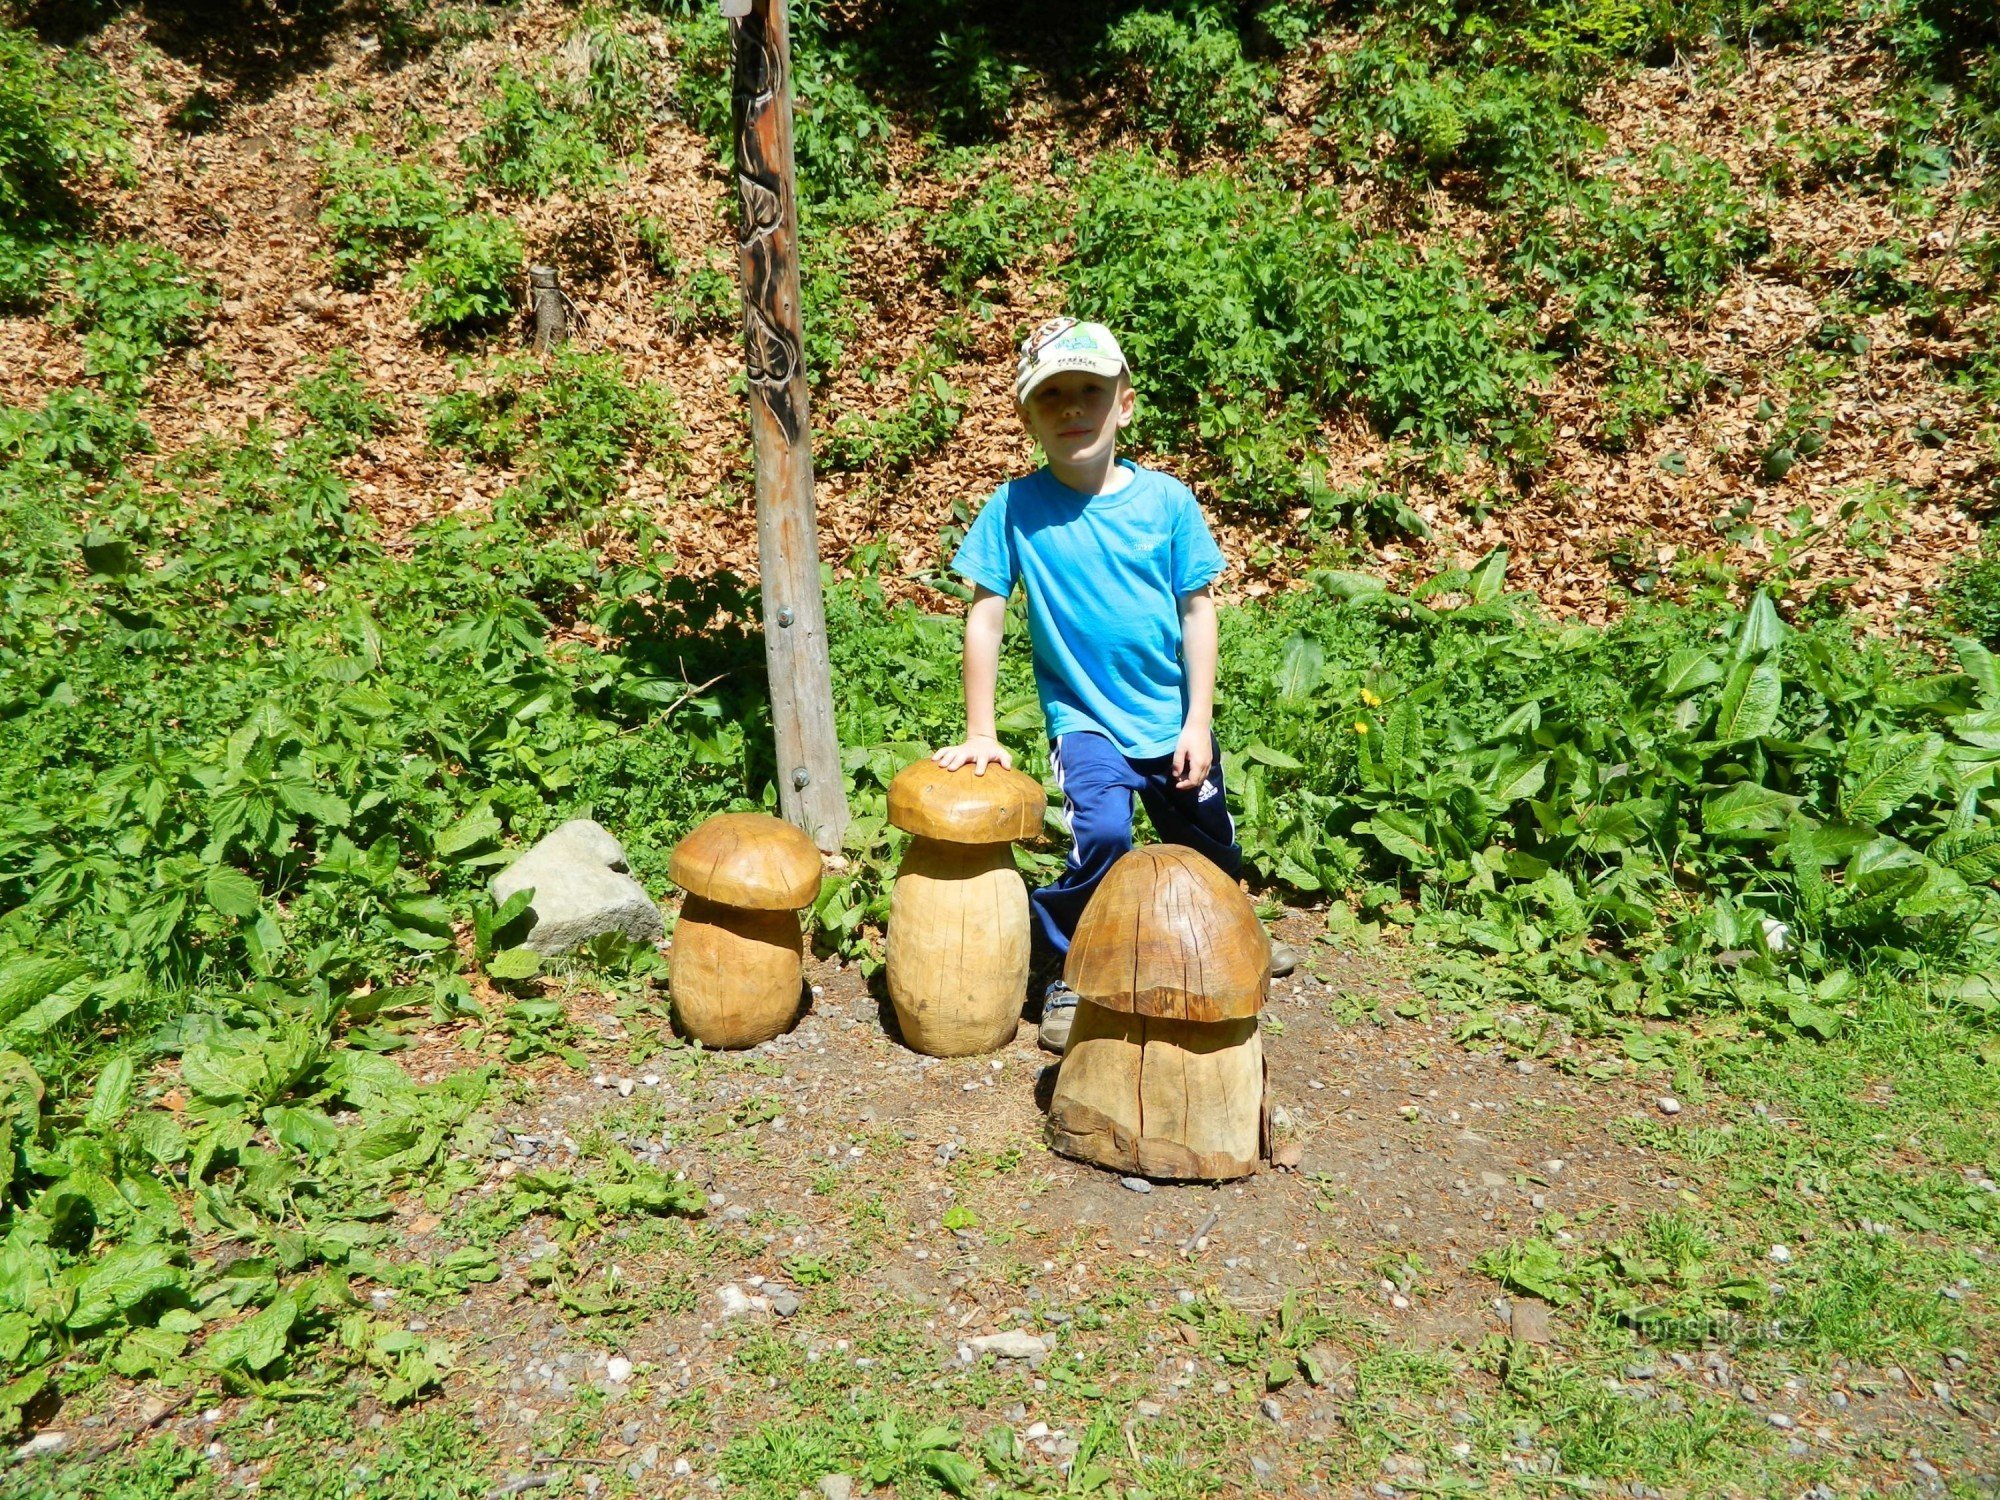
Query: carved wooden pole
[{"x": 809, "y": 786}]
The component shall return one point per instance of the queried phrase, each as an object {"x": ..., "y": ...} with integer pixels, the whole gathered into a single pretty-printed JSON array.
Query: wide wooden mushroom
[
  {"x": 737, "y": 948},
  {"x": 958, "y": 917},
  {"x": 1164, "y": 1074}
]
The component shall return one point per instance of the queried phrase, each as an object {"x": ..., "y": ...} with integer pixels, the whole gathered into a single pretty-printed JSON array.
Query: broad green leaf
[
  {"x": 1263, "y": 754},
  {"x": 1687, "y": 671},
  {"x": 478, "y": 828},
  {"x": 158, "y": 1135},
  {"x": 1616, "y": 825},
  {"x": 1748, "y": 708},
  {"x": 1402, "y": 739},
  {"x": 1979, "y": 664},
  {"x": 1761, "y": 631},
  {"x": 231, "y": 892},
  {"x": 1301, "y": 670},
  {"x": 304, "y": 1130},
  {"x": 215, "y": 1075},
  {"x": 952, "y": 1471},
  {"x": 26, "y": 982},
  {"x": 1981, "y": 729},
  {"x": 112, "y": 1096},
  {"x": 52, "y": 1008},
  {"x": 1516, "y": 776},
  {"x": 120, "y": 1282},
  {"x": 1900, "y": 769},
  {"x": 254, "y": 1344},
  {"x": 1343, "y": 584},
  {"x": 1489, "y": 577},
  {"x": 514, "y": 963},
  {"x": 1817, "y": 1019},
  {"x": 1973, "y": 854},
  {"x": 1748, "y": 807},
  {"x": 1399, "y": 834}
]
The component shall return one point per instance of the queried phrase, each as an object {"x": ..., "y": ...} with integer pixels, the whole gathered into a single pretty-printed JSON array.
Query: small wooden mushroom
[
  {"x": 958, "y": 917},
  {"x": 737, "y": 948},
  {"x": 1164, "y": 1074}
]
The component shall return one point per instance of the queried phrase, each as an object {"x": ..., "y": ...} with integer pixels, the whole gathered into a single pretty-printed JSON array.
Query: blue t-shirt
[{"x": 1103, "y": 575}]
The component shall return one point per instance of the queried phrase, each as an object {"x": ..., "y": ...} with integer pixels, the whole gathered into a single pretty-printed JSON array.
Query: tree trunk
[
  {"x": 810, "y": 792},
  {"x": 958, "y": 947},
  {"x": 1161, "y": 1098}
]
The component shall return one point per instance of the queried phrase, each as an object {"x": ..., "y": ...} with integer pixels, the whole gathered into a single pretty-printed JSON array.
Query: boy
[{"x": 1116, "y": 561}]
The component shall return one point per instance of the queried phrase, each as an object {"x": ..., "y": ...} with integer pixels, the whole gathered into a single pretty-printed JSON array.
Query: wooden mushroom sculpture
[
  {"x": 958, "y": 918},
  {"x": 1164, "y": 1075},
  {"x": 737, "y": 947}
]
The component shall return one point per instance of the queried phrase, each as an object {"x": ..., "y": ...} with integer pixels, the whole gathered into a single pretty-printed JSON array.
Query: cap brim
[{"x": 1062, "y": 364}]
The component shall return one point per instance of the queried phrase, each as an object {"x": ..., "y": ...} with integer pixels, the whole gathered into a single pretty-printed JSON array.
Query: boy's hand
[
  {"x": 1193, "y": 756},
  {"x": 976, "y": 752}
]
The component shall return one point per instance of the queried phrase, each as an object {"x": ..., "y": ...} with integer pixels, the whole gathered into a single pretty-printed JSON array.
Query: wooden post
[
  {"x": 810, "y": 793},
  {"x": 550, "y": 308}
]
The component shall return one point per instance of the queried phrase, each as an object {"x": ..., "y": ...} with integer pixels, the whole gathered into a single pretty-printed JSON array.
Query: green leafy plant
[
  {"x": 58, "y": 121},
  {"x": 1254, "y": 317},
  {"x": 535, "y": 140},
  {"x": 469, "y": 274},
  {"x": 377, "y": 209},
  {"x": 1187, "y": 75},
  {"x": 133, "y": 301}
]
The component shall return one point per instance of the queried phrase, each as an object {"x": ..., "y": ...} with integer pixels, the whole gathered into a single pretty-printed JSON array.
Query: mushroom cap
[
  {"x": 1168, "y": 934},
  {"x": 751, "y": 860},
  {"x": 964, "y": 806}
]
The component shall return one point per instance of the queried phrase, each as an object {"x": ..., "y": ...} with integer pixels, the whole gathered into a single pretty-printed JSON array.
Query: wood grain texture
[
  {"x": 736, "y": 977},
  {"x": 751, "y": 860},
  {"x": 958, "y": 947},
  {"x": 811, "y": 792},
  {"x": 1161, "y": 1098},
  {"x": 966, "y": 806},
  {"x": 1168, "y": 934}
]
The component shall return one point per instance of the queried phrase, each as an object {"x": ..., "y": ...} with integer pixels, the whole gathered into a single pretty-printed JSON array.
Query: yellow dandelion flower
[
  {"x": 1370, "y": 699},
  {"x": 1360, "y": 726}
]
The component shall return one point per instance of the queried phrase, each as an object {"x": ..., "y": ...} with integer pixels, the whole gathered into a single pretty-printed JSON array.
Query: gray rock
[
  {"x": 582, "y": 890},
  {"x": 1137, "y": 1184},
  {"x": 1013, "y": 1344},
  {"x": 784, "y": 1304},
  {"x": 835, "y": 1486}
]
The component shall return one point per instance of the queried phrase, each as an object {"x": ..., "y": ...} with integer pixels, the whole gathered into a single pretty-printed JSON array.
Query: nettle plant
[{"x": 1699, "y": 807}]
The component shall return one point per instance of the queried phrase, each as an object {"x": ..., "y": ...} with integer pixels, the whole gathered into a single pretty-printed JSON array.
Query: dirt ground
[{"x": 865, "y": 1198}]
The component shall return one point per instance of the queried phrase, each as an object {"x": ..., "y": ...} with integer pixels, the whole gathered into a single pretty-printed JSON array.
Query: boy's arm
[
  {"x": 1193, "y": 754},
  {"x": 984, "y": 623}
]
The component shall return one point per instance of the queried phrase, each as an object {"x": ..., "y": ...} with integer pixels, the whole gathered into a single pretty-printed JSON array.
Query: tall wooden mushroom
[
  {"x": 737, "y": 948},
  {"x": 1164, "y": 1075},
  {"x": 958, "y": 917}
]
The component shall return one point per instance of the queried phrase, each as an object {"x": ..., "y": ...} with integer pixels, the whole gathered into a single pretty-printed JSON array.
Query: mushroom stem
[
  {"x": 1162, "y": 1098},
  {"x": 736, "y": 973},
  {"x": 958, "y": 946}
]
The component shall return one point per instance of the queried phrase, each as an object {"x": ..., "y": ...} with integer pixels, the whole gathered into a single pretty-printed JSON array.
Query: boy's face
[{"x": 1075, "y": 416}]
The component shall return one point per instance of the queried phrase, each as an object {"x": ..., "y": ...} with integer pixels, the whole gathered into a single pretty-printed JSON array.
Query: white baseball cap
[{"x": 1065, "y": 344}]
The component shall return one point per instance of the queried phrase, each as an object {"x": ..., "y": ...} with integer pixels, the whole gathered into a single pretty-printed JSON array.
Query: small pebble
[
  {"x": 1779, "y": 1420},
  {"x": 1779, "y": 1253},
  {"x": 618, "y": 1369},
  {"x": 1669, "y": 1105},
  {"x": 1271, "y": 1410},
  {"x": 1136, "y": 1184}
]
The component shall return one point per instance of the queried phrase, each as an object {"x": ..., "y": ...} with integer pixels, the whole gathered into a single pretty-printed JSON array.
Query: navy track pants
[{"x": 1098, "y": 785}]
